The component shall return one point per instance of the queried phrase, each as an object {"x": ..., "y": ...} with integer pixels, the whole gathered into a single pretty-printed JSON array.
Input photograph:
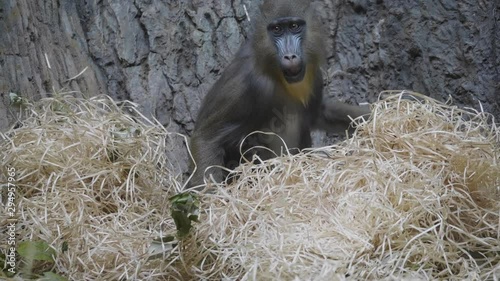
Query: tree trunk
[{"x": 165, "y": 55}]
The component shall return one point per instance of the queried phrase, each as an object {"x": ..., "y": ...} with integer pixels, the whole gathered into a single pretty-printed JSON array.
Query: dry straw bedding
[{"x": 412, "y": 194}]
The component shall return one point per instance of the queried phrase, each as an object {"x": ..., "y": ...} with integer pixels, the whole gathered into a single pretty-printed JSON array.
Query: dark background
[{"x": 165, "y": 55}]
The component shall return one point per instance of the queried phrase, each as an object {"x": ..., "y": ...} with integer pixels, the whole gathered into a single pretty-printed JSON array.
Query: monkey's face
[{"x": 287, "y": 35}]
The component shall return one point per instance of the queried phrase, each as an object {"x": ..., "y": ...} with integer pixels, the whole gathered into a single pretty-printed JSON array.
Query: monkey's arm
[
  {"x": 335, "y": 116},
  {"x": 205, "y": 153},
  {"x": 214, "y": 134},
  {"x": 221, "y": 123}
]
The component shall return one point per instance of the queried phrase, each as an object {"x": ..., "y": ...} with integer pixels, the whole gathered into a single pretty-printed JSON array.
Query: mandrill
[{"x": 274, "y": 84}]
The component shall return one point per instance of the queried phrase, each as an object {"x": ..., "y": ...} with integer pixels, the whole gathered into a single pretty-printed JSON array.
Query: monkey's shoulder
[
  {"x": 242, "y": 82},
  {"x": 236, "y": 96}
]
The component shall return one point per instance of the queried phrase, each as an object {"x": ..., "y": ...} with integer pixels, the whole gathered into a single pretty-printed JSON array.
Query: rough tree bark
[{"x": 164, "y": 55}]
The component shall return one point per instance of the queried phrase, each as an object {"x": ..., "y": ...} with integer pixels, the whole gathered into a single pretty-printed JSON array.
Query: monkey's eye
[
  {"x": 276, "y": 29},
  {"x": 294, "y": 26}
]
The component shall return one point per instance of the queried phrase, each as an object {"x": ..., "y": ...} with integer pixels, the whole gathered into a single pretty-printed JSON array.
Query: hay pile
[
  {"x": 413, "y": 194},
  {"x": 89, "y": 180}
]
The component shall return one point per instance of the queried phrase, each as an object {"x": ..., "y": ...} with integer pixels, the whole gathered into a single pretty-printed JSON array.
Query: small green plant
[
  {"x": 37, "y": 260},
  {"x": 184, "y": 210}
]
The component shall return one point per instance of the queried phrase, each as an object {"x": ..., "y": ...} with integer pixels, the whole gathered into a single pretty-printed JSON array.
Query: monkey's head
[{"x": 289, "y": 38}]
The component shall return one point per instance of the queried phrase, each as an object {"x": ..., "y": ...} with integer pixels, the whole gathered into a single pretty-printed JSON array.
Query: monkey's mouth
[{"x": 294, "y": 74}]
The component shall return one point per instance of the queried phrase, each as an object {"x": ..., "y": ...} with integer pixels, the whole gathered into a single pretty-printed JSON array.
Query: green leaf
[
  {"x": 64, "y": 246},
  {"x": 162, "y": 247},
  {"x": 51, "y": 276},
  {"x": 184, "y": 210},
  {"x": 36, "y": 250},
  {"x": 16, "y": 99}
]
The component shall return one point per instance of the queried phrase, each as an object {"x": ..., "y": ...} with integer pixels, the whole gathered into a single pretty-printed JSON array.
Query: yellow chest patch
[{"x": 302, "y": 90}]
